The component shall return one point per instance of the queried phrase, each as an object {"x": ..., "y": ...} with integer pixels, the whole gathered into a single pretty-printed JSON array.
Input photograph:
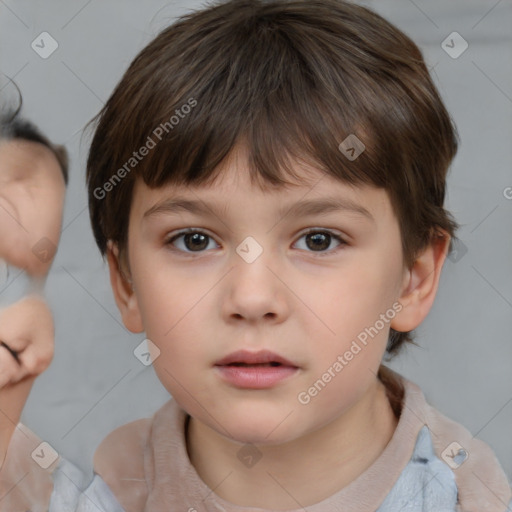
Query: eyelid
[{"x": 175, "y": 234}]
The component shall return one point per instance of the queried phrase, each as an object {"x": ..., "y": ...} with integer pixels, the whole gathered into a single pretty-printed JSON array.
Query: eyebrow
[{"x": 311, "y": 207}]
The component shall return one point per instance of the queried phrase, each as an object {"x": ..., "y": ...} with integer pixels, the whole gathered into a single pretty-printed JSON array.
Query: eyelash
[{"x": 171, "y": 239}]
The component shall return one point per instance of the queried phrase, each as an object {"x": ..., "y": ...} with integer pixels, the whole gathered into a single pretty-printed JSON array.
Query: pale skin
[
  {"x": 32, "y": 191},
  {"x": 199, "y": 306},
  {"x": 27, "y": 327}
]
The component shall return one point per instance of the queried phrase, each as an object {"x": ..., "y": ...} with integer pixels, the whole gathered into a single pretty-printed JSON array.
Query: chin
[{"x": 260, "y": 431}]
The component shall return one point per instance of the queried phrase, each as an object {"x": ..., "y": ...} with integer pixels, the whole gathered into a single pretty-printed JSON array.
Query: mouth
[
  {"x": 248, "y": 365},
  {"x": 263, "y": 358},
  {"x": 255, "y": 370}
]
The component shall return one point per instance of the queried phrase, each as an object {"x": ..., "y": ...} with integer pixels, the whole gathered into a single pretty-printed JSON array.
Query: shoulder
[
  {"x": 119, "y": 461},
  {"x": 481, "y": 481},
  {"x": 129, "y": 460},
  {"x": 25, "y": 485}
]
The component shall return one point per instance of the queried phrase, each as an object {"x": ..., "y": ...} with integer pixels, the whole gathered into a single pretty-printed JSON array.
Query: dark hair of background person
[{"x": 14, "y": 127}]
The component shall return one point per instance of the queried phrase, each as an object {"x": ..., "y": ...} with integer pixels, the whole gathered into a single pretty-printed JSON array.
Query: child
[
  {"x": 258, "y": 132},
  {"x": 33, "y": 179}
]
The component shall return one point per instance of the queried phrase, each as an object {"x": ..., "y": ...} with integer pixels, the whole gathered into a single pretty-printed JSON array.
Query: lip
[
  {"x": 255, "y": 370},
  {"x": 260, "y": 357}
]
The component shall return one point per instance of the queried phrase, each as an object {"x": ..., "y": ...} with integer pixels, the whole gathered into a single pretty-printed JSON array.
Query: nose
[{"x": 255, "y": 291}]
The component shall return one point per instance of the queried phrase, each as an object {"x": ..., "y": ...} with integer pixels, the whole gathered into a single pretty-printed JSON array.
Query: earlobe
[
  {"x": 124, "y": 293},
  {"x": 421, "y": 284}
]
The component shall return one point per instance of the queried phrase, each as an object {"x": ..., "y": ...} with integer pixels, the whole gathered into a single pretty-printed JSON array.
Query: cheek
[
  {"x": 348, "y": 300},
  {"x": 173, "y": 313},
  {"x": 51, "y": 221},
  {"x": 348, "y": 310},
  {"x": 177, "y": 325},
  {"x": 40, "y": 213}
]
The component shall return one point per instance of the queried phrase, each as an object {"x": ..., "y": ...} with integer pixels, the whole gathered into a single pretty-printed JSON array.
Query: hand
[
  {"x": 26, "y": 340},
  {"x": 27, "y": 336}
]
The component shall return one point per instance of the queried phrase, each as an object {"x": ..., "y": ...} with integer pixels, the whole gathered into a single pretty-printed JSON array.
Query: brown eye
[
  {"x": 319, "y": 241},
  {"x": 195, "y": 241},
  {"x": 191, "y": 241}
]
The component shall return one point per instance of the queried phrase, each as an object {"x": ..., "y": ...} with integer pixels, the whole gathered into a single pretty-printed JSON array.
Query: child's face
[
  {"x": 32, "y": 191},
  {"x": 304, "y": 298}
]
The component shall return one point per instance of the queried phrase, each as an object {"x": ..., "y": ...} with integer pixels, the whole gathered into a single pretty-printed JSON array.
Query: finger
[
  {"x": 14, "y": 334},
  {"x": 10, "y": 370},
  {"x": 35, "y": 359},
  {"x": 11, "y": 351},
  {"x": 23, "y": 322}
]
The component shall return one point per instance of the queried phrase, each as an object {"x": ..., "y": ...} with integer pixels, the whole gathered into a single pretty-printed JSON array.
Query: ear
[
  {"x": 420, "y": 284},
  {"x": 124, "y": 294}
]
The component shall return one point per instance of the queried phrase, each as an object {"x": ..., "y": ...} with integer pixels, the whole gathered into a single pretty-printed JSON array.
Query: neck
[{"x": 336, "y": 455}]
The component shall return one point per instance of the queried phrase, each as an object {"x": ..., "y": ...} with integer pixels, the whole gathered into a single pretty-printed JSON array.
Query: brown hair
[{"x": 292, "y": 80}]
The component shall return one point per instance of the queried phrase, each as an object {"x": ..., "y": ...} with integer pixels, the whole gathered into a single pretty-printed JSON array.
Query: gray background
[{"x": 464, "y": 364}]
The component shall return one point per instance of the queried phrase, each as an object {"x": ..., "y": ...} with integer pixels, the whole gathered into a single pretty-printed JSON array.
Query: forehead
[
  {"x": 19, "y": 154},
  {"x": 233, "y": 192}
]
